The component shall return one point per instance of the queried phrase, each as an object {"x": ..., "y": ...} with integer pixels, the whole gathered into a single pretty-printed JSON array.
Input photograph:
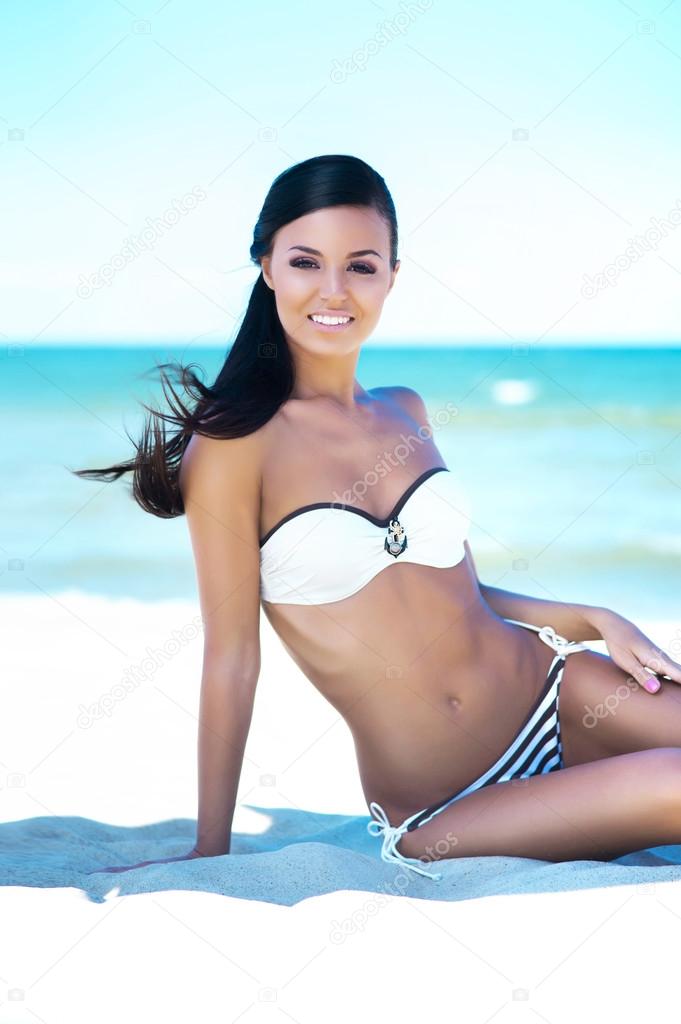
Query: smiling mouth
[{"x": 344, "y": 321}]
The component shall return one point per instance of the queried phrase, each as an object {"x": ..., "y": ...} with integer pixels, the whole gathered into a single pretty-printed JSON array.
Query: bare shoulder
[
  {"x": 408, "y": 399},
  {"x": 222, "y": 465}
]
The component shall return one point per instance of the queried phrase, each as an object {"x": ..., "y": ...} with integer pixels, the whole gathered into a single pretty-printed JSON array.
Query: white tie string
[
  {"x": 380, "y": 826},
  {"x": 559, "y": 643},
  {"x": 391, "y": 837}
]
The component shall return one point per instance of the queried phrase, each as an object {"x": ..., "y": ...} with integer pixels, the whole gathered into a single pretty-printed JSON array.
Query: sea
[{"x": 571, "y": 458}]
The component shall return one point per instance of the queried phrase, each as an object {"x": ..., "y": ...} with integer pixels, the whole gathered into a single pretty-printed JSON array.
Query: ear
[
  {"x": 394, "y": 273},
  {"x": 265, "y": 265}
]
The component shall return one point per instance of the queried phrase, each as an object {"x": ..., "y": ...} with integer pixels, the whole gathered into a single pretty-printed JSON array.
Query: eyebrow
[{"x": 360, "y": 252}]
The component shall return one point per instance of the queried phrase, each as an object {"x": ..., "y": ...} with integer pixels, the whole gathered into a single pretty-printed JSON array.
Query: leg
[
  {"x": 526, "y": 807},
  {"x": 604, "y": 711},
  {"x": 591, "y": 811}
]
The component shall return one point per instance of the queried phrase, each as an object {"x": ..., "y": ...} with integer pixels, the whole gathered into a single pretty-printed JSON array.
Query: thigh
[
  {"x": 590, "y": 811},
  {"x": 603, "y": 711}
]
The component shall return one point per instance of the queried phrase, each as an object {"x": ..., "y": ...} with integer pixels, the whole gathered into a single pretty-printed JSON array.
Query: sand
[{"x": 302, "y": 921}]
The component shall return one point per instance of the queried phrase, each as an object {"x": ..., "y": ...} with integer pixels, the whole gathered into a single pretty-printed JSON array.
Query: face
[{"x": 330, "y": 280}]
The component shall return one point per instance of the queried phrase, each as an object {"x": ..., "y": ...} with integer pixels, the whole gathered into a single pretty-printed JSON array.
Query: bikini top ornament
[{"x": 396, "y": 540}]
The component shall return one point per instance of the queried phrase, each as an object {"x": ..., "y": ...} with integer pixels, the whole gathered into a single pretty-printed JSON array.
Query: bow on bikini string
[
  {"x": 559, "y": 643},
  {"x": 380, "y": 825}
]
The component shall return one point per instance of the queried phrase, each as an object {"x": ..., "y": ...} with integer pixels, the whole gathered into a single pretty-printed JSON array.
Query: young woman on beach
[{"x": 330, "y": 506}]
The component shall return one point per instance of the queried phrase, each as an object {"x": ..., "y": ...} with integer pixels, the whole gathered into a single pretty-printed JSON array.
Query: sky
[{"x": 531, "y": 151}]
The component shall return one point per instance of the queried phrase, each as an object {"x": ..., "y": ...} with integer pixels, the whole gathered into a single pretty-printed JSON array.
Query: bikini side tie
[
  {"x": 559, "y": 643},
  {"x": 391, "y": 837}
]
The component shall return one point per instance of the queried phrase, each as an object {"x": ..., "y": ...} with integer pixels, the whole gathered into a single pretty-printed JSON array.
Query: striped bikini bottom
[{"x": 536, "y": 750}]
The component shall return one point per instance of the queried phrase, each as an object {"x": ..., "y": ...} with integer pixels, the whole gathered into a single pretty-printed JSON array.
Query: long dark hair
[{"x": 258, "y": 373}]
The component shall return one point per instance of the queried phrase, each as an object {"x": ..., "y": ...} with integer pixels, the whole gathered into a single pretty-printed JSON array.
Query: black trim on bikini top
[{"x": 360, "y": 512}]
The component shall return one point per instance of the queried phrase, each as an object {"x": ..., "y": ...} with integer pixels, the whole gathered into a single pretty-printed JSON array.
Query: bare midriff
[{"x": 431, "y": 682}]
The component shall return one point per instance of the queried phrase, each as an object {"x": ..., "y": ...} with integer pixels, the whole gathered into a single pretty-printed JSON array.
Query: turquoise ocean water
[{"x": 571, "y": 457}]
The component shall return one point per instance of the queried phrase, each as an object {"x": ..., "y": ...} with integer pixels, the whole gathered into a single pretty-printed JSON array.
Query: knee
[{"x": 663, "y": 767}]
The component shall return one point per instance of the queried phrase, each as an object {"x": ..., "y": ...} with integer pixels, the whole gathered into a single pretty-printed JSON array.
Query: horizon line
[{"x": 385, "y": 343}]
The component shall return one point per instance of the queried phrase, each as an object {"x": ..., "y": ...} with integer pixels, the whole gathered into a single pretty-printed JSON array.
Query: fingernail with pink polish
[{"x": 652, "y": 685}]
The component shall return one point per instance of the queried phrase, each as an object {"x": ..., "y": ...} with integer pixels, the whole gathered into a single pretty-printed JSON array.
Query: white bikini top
[{"x": 327, "y": 551}]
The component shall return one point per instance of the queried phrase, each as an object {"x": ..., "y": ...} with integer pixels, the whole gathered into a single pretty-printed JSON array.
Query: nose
[{"x": 333, "y": 285}]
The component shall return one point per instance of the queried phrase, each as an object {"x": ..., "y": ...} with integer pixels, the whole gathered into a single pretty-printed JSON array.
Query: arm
[
  {"x": 573, "y": 621},
  {"x": 629, "y": 648},
  {"x": 220, "y": 484}
]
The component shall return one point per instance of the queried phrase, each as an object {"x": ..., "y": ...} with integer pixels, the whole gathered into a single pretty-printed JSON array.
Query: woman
[{"x": 331, "y": 506}]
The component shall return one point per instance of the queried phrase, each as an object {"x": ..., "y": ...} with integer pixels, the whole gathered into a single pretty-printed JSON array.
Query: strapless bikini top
[{"x": 327, "y": 551}]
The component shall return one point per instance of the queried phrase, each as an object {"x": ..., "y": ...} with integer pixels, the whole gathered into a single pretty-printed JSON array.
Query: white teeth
[{"x": 331, "y": 320}]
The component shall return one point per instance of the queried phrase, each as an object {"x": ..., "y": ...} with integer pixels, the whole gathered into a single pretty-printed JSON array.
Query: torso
[{"x": 431, "y": 682}]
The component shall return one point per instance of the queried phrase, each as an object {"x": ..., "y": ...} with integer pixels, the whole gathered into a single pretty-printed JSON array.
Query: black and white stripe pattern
[{"x": 535, "y": 750}]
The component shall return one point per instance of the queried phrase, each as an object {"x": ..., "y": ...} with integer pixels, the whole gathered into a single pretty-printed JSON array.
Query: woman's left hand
[{"x": 636, "y": 653}]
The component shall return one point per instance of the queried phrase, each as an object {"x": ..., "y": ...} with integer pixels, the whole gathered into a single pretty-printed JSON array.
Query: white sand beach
[{"x": 302, "y": 921}]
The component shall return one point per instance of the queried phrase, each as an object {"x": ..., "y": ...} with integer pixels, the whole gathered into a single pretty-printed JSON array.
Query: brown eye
[{"x": 304, "y": 262}]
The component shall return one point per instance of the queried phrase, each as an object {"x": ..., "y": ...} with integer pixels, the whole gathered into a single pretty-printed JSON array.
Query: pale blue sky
[{"x": 525, "y": 146}]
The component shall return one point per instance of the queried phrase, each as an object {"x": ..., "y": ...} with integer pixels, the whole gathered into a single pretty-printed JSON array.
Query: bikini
[{"x": 318, "y": 554}]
